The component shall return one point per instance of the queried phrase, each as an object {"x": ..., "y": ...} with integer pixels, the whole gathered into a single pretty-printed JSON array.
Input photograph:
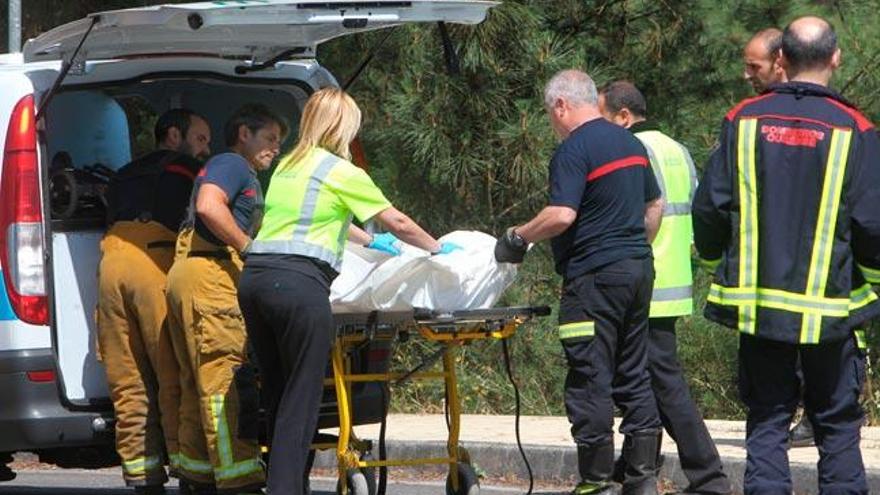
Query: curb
[{"x": 558, "y": 465}]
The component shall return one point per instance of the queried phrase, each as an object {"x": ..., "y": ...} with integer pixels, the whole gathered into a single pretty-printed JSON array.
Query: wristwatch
[{"x": 517, "y": 240}]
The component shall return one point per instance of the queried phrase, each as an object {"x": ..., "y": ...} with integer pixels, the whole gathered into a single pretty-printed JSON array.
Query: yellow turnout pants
[
  {"x": 135, "y": 347},
  {"x": 209, "y": 340}
]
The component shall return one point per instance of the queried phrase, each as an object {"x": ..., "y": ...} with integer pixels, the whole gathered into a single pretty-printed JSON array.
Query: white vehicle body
[{"x": 161, "y": 57}]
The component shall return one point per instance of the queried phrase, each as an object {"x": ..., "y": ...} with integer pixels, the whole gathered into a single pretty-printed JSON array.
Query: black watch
[{"x": 517, "y": 240}]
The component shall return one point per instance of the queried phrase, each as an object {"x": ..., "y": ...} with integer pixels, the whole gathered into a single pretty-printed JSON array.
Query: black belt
[
  {"x": 160, "y": 244},
  {"x": 220, "y": 255}
]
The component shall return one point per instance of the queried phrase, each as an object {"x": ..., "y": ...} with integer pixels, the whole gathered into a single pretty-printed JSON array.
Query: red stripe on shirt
[
  {"x": 861, "y": 121},
  {"x": 748, "y": 101},
  {"x": 180, "y": 170},
  {"x": 630, "y": 161}
]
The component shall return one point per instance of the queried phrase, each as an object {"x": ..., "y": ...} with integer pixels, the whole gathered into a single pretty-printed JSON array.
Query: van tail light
[
  {"x": 43, "y": 376},
  {"x": 21, "y": 218}
]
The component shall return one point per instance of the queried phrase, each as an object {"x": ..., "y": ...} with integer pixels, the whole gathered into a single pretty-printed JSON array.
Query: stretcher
[{"x": 449, "y": 331}]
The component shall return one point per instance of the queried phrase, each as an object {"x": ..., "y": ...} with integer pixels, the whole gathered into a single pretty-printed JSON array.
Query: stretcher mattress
[{"x": 465, "y": 279}]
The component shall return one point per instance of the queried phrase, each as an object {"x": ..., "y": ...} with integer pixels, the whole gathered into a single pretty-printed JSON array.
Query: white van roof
[{"x": 239, "y": 28}]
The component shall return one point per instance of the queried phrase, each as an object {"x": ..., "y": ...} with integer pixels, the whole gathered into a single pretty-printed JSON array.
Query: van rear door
[
  {"x": 240, "y": 29},
  {"x": 252, "y": 30}
]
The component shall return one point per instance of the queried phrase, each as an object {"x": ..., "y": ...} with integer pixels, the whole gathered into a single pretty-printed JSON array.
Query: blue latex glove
[
  {"x": 448, "y": 247},
  {"x": 385, "y": 242}
]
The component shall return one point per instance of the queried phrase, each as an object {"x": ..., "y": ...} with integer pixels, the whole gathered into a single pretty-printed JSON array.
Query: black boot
[
  {"x": 620, "y": 464},
  {"x": 802, "y": 433},
  {"x": 6, "y": 472},
  {"x": 595, "y": 463},
  {"x": 640, "y": 454},
  {"x": 150, "y": 490}
]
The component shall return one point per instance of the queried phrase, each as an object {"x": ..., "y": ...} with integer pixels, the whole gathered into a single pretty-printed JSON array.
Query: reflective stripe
[
  {"x": 748, "y": 224},
  {"x": 672, "y": 293},
  {"x": 655, "y": 166},
  {"x": 174, "y": 460},
  {"x": 692, "y": 170},
  {"x": 141, "y": 465},
  {"x": 674, "y": 209},
  {"x": 221, "y": 426},
  {"x": 709, "y": 264},
  {"x": 826, "y": 221},
  {"x": 872, "y": 275},
  {"x": 239, "y": 469},
  {"x": 193, "y": 465},
  {"x": 861, "y": 341},
  {"x": 577, "y": 329},
  {"x": 790, "y": 301},
  {"x": 298, "y": 244}
]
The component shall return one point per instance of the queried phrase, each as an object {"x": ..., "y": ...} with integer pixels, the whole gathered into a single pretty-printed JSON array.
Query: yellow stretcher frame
[{"x": 452, "y": 332}]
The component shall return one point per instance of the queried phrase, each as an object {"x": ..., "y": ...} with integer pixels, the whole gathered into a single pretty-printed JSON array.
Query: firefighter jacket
[{"x": 788, "y": 212}]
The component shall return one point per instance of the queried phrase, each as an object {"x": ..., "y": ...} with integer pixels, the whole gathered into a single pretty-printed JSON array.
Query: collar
[
  {"x": 800, "y": 89},
  {"x": 645, "y": 125}
]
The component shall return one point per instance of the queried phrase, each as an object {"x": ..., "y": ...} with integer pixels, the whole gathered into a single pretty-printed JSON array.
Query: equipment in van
[{"x": 77, "y": 192}]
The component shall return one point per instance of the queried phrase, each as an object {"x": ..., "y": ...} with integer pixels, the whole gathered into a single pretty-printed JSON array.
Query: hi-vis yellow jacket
[{"x": 788, "y": 211}]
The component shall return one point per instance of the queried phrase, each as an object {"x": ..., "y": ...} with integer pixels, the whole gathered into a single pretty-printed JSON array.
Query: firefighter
[
  {"x": 285, "y": 286},
  {"x": 605, "y": 209},
  {"x": 147, "y": 200},
  {"x": 622, "y": 103},
  {"x": 761, "y": 67},
  {"x": 787, "y": 210},
  {"x": 219, "y": 401}
]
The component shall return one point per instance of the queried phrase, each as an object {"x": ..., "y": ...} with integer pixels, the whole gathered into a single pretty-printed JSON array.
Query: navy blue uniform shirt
[
  {"x": 602, "y": 171},
  {"x": 231, "y": 173}
]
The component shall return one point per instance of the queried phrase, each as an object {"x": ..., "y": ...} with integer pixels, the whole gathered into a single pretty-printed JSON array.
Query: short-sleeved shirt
[
  {"x": 601, "y": 171},
  {"x": 310, "y": 203},
  {"x": 232, "y": 174}
]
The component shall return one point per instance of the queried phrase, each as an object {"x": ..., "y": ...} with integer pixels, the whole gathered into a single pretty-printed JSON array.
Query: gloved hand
[
  {"x": 385, "y": 242},
  {"x": 448, "y": 247},
  {"x": 510, "y": 248}
]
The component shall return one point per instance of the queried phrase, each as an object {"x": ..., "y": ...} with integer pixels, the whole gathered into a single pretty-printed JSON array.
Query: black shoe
[
  {"x": 6, "y": 473},
  {"x": 150, "y": 490},
  {"x": 802, "y": 433},
  {"x": 187, "y": 488},
  {"x": 641, "y": 456}
]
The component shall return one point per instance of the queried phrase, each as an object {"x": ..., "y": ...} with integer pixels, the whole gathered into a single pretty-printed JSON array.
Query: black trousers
[
  {"x": 610, "y": 366},
  {"x": 290, "y": 327},
  {"x": 833, "y": 374},
  {"x": 678, "y": 413}
]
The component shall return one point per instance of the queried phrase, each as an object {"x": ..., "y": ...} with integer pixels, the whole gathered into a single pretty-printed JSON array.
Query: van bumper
[{"x": 31, "y": 414}]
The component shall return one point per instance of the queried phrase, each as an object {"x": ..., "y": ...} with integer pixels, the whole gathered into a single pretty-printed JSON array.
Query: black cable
[
  {"x": 383, "y": 453},
  {"x": 522, "y": 452}
]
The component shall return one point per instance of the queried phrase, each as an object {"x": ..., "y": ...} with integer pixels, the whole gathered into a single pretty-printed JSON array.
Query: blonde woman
[{"x": 285, "y": 287}]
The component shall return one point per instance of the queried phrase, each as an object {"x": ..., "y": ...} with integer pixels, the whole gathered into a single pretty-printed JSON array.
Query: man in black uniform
[
  {"x": 787, "y": 210},
  {"x": 605, "y": 209},
  {"x": 147, "y": 200}
]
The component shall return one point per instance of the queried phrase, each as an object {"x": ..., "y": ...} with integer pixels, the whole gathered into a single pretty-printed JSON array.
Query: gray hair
[{"x": 573, "y": 86}]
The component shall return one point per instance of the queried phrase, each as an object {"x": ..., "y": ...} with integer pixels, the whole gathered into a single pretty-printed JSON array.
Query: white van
[{"x": 62, "y": 133}]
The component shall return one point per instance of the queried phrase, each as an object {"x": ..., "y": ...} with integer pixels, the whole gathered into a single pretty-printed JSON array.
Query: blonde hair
[{"x": 330, "y": 120}]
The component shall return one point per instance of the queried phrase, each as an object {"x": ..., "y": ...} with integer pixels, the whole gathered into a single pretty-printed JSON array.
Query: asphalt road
[{"x": 108, "y": 482}]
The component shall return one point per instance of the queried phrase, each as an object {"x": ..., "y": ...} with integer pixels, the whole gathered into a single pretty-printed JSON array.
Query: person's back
[
  {"x": 608, "y": 190},
  {"x": 797, "y": 196}
]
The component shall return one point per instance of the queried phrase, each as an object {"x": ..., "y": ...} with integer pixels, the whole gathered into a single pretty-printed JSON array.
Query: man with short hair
[
  {"x": 147, "y": 200},
  {"x": 761, "y": 60},
  {"x": 605, "y": 208},
  {"x": 787, "y": 210},
  {"x": 219, "y": 401},
  {"x": 623, "y": 104}
]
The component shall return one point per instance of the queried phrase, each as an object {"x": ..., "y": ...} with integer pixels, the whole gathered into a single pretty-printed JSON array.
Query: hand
[
  {"x": 510, "y": 248},
  {"x": 385, "y": 243},
  {"x": 448, "y": 247}
]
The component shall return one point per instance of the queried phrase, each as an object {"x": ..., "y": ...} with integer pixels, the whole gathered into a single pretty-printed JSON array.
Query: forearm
[
  {"x": 550, "y": 222},
  {"x": 406, "y": 230},
  {"x": 653, "y": 218},
  {"x": 221, "y": 223},
  {"x": 358, "y": 236}
]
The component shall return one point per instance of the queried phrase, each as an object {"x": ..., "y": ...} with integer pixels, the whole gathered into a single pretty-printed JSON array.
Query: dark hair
[
  {"x": 179, "y": 118},
  {"x": 773, "y": 41},
  {"x": 624, "y": 94},
  {"x": 811, "y": 52},
  {"x": 255, "y": 116}
]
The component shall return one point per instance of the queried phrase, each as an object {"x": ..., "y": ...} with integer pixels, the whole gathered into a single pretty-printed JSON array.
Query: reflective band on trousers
[
  {"x": 185, "y": 463},
  {"x": 872, "y": 275},
  {"x": 826, "y": 222},
  {"x": 861, "y": 341},
  {"x": 298, "y": 244},
  {"x": 577, "y": 329},
  {"x": 228, "y": 469},
  {"x": 791, "y": 301},
  {"x": 672, "y": 293},
  {"x": 141, "y": 465},
  {"x": 674, "y": 209},
  {"x": 748, "y": 219}
]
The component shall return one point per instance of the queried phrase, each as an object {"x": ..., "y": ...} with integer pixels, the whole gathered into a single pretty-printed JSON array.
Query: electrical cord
[
  {"x": 516, "y": 395},
  {"x": 383, "y": 454}
]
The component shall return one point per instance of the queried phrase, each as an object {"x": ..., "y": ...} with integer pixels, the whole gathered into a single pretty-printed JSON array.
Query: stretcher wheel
[
  {"x": 359, "y": 482},
  {"x": 468, "y": 481}
]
